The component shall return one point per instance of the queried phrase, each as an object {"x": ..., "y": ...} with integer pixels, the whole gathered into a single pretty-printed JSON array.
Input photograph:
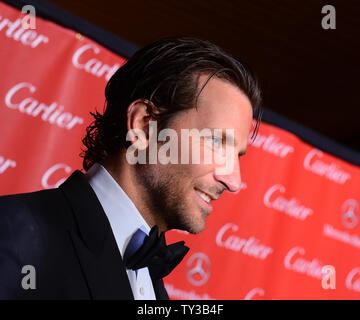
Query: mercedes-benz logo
[
  {"x": 198, "y": 269},
  {"x": 350, "y": 210}
]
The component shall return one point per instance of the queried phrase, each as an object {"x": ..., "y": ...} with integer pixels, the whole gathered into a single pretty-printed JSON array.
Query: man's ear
[
  {"x": 138, "y": 118},
  {"x": 137, "y": 115}
]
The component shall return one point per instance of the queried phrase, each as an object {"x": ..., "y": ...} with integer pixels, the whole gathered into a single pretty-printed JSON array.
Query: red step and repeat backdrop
[{"x": 298, "y": 210}]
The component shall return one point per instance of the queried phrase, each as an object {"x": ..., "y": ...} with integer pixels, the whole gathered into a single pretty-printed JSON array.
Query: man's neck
[{"x": 123, "y": 173}]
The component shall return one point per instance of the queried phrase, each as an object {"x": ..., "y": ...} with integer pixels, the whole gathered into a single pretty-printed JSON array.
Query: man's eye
[{"x": 215, "y": 141}]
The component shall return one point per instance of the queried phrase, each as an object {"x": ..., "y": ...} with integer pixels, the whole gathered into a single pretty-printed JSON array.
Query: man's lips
[
  {"x": 206, "y": 198},
  {"x": 210, "y": 195},
  {"x": 206, "y": 204}
]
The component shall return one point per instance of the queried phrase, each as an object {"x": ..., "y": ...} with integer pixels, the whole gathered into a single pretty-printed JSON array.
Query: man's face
[{"x": 176, "y": 191}]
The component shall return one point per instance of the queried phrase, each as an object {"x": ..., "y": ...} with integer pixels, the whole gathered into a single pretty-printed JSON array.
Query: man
[{"x": 81, "y": 240}]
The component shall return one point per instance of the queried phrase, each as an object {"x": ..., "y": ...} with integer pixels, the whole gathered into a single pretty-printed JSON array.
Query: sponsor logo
[
  {"x": 254, "y": 293},
  {"x": 330, "y": 171},
  {"x": 198, "y": 269},
  {"x": 6, "y": 164},
  {"x": 350, "y": 213},
  {"x": 291, "y": 207},
  {"x": 251, "y": 247},
  {"x": 294, "y": 261},
  {"x": 52, "y": 113},
  {"x": 271, "y": 144},
  {"x": 54, "y": 171},
  {"x": 243, "y": 186},
  {"x": 27, "y": 37},
  {"x": 352, "y": 281},
  {"x": 343, "y": 236},
  {"x": 83, "y": 59},
  {"x": 350, "y": 219},
  {"x": 180, "y": 294},
  {"x": 181, "y": 231}
]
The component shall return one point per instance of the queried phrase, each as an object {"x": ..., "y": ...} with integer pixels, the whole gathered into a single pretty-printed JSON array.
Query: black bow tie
[{"x": 153, "y": 253}]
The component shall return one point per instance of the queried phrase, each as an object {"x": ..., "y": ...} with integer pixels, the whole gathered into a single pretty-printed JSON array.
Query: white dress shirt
[{"x": 124, "y": 219}]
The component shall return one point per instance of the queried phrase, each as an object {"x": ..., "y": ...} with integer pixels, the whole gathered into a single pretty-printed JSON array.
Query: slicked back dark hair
[{"x": 165, "y": 72}]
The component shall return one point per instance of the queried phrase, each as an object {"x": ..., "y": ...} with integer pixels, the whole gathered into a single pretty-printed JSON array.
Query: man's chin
[
  {"x": 196, "y": 231},
  {"x": 193, "y": 224},
  {"x": 196, "y": 227}
]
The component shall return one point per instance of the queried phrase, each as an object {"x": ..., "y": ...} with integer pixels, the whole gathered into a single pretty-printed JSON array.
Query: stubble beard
[{"x": 166, "y": 197}]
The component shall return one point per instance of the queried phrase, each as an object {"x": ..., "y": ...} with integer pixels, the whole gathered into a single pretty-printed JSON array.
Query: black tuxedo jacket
[{"x": 65, "y": 234}]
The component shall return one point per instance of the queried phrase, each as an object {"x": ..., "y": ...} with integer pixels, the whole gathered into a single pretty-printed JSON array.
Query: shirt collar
[{"x": 121, "y": 212}]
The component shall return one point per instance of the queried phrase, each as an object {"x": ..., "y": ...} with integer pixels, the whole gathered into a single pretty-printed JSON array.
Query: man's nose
[{"x": 232, "y": 180}]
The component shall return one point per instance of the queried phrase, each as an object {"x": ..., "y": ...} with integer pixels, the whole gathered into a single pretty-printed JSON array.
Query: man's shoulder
[
  {"x": 39, "y": 202},
  {"x": 18, "y": 199},
  {"x": 33, "y": 210},
  {"x": 47, "y": 207},
  {"x": 30, "y": 201},
  {"x": 35, "y": 230}
]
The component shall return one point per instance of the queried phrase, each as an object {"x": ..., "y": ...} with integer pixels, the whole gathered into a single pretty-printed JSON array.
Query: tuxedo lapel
[
  {"x": 94, "y": 242},
  {"x": 160, "y": 291}
]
